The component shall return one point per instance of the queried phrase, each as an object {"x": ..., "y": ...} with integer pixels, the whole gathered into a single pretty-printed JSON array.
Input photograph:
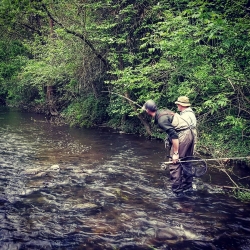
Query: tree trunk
[{"x": 50, "y": 101}]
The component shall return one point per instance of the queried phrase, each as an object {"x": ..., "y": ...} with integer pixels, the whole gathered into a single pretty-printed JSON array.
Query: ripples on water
[{"x": 65, "y": 188}]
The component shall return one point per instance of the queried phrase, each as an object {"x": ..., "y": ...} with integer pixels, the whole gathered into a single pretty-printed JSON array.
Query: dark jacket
[{"x": 164, "y": 119}]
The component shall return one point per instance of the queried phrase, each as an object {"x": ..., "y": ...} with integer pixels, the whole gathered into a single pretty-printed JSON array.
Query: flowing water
[{"x": 70, "y": 188}]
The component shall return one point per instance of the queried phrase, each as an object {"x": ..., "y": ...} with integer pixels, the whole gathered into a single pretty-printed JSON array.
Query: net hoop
[{"x": 193, "y": 166}]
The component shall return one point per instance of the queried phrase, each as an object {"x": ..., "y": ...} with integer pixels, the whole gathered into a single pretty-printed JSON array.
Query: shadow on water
[{"x": 68, "y": 188}]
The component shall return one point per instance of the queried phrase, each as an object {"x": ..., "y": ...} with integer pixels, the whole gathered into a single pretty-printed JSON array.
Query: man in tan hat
[
  {"x": 180, "y": 136},
  {"x": 187, "y": 113}
]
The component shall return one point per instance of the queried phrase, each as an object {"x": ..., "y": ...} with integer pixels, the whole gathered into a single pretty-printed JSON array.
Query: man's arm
[
  {"x": 175, "y": 145},
  {"x": 166, "y": 125}
]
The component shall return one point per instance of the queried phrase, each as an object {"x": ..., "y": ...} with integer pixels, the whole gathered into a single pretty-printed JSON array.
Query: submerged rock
[
  {"x": 3, "y": 199},
  {"x": 86, "y": 206},
  {"x": 32, "y": 171},
  {"x": 54, "y": 168},
  {"x": 40, "y": 171}
]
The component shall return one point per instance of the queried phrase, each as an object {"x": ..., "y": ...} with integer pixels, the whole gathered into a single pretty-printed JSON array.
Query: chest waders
[{"x": 181, "y": 180}]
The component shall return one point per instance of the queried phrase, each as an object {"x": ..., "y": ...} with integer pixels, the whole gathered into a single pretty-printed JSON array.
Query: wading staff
[{"x": 124, "y": 98}]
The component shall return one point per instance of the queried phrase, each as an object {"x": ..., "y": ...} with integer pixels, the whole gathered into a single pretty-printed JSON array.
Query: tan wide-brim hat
[{"x": 183, "y": 101}]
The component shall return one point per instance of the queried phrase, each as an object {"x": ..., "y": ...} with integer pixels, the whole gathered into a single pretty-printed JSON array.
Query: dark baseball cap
[{"x": 150, "y": 105}]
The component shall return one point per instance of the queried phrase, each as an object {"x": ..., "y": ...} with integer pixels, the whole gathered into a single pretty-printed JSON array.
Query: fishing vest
[
  {"x": 180, "y": 125},
  {"x": 178, "y": 122}
]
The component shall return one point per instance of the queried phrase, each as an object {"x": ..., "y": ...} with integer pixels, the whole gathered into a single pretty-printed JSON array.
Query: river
[{"x": 70, "y": 188}]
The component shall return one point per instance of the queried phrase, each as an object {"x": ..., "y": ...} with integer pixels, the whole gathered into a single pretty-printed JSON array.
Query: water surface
[{"x": 70, "y": 188}]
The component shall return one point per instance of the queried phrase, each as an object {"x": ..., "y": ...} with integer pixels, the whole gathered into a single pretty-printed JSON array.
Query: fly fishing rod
[
  {"x": 195, "y": 166},
  {"x": 111, "y": 92},
  {"x": 215, "y": 159}
]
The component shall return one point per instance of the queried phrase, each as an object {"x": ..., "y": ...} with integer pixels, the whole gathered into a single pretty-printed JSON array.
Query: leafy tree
[{"x": 12, "y": 58}]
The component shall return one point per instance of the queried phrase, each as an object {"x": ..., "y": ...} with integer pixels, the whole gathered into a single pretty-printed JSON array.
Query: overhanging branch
[{"x": 81, "y": 36}]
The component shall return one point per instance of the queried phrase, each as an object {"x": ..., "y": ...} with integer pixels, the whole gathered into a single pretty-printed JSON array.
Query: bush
[
  {"x": 86, "y": 112},
  {"x": 242, "y": 195}
]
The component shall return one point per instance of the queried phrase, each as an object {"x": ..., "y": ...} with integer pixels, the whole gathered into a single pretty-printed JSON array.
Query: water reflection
[{"x": 66, "y": 188}]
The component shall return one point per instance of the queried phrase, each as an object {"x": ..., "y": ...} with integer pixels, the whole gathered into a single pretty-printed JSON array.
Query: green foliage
[
  {"x": 224, "y": 141},
  {"x": 85, "y": 112},
  {"x": 216, "y": 103},
  {"x": 242, "y": 195},
  {"x": 186, "y": 53},
  {"x": 12, "y": 59},
  {"x": 117, "y": 109},
  {"x": 236, "y": 124}
]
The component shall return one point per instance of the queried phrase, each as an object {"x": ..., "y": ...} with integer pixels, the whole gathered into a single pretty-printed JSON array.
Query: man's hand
[{"x": 175, "y": 158}]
